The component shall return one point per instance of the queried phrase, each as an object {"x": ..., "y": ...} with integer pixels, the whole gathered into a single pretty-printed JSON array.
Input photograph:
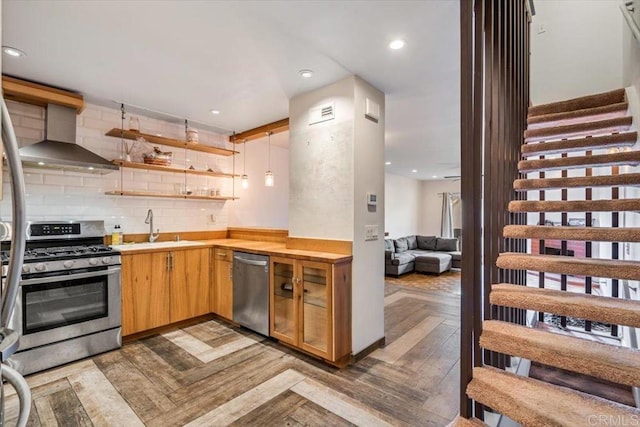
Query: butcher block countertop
[{"x": 252, "y": 246}]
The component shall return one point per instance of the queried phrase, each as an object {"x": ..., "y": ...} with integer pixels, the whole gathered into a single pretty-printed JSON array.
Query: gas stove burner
[{"x": 66, "y": 251}]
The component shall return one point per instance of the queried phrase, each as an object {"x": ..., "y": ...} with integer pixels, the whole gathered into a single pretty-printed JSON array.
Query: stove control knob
[
  {"x": 40, "y": 267},
  {"x": 26, "y": 268},
  {"x": 93, "y": 261},
  {"x": 68, "y": 263},
  {"x": 106, "y": 260}
]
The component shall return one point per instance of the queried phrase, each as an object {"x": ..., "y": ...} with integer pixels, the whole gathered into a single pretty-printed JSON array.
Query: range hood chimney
[{"x": 59, "y": 149}]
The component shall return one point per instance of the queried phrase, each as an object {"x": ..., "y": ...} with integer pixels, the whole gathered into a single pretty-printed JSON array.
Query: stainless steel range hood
[{"x": 59, "y": 149}]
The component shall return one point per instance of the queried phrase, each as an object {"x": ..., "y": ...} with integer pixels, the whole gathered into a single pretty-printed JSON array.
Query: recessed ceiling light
[
  {"x": 397, "y": 44},
  {"x": 414, "y": 171},
  {"x": 434, "y": 176},
  {"x": 387, "y": 163},
  {"x": 306, "y": 73},
  {"x": 41, "y": 163},
  {"x": 215, "y": 111},
  {"x": 12, "y": 51},
  {"x": 91, "y": 168}
]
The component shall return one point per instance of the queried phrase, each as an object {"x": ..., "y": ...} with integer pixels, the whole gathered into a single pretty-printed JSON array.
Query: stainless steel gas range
[{"x": 68, "y": 306}]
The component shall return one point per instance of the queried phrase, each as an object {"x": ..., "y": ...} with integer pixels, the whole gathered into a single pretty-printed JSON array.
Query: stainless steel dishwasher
[{"x": 251, "y": 291}]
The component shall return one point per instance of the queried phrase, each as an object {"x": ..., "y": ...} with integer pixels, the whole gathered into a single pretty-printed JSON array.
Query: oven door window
[{"x": 51, "y": 305}]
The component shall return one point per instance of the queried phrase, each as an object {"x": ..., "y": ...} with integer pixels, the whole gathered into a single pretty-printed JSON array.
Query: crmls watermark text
[{"x": 613, "y": 420}]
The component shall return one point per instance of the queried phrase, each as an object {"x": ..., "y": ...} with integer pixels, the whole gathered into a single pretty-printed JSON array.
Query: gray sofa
[{"x": 424, "y": 254}]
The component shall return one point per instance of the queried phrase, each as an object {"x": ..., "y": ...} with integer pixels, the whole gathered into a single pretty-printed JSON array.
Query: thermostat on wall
[{"x": 372, "y": 199}]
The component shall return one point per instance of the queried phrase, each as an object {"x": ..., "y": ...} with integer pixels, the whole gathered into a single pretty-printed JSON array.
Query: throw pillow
[
  {"x": 427, "y": 243},
  {"x": 413, "y": 243},
  {"x": 401, "y": 244},
  {"x": 388, "y": 245},
  {"x": 447, "y": 245}
]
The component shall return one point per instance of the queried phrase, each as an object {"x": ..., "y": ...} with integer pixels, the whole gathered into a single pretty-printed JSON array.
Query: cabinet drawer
[{"x": 223, "y": 254}]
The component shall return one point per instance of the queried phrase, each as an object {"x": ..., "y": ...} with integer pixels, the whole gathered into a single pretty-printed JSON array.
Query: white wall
[
  {"x": 57, "y": 195},
  {"x": 579, "y": 53},
  {"x": 401, "y": 205},
  {"x": 261, "y": 206},
  {"x": 431, "y": 205},
  {"x": 333, "y": 165}
]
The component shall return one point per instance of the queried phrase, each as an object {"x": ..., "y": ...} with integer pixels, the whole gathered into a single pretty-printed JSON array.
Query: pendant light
[
  {"x": 268, "y": 176},
  {"x": 245, "y": 177}
]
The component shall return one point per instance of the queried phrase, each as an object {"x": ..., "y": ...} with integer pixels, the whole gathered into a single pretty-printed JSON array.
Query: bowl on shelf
[{"x": 158, "y": 157}]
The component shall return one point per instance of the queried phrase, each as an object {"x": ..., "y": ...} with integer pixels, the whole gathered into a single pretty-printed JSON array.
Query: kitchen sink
[{"x": 156, "y": 245}]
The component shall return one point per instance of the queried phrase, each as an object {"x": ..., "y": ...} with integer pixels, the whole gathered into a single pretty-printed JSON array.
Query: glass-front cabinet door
[
  {"x": 315, "y": 286},
  {"x": 284, "y": 310}
]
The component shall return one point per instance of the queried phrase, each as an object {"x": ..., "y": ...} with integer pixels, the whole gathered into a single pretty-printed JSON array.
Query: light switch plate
[{"x": 370, "y": 232}]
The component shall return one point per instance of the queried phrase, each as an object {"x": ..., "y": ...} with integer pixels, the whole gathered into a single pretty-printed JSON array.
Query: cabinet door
[
  {"x": 189, "y": 283},
  {"x": 284, "y": 301},
  {"x": 223, "y": 284},
  {"x": 145, "y": 292},
  {"x": 315, "y": 286}
]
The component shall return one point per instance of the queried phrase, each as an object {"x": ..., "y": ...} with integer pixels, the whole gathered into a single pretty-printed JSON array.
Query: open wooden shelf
[
  {"x": 167, "y": 195},
  {"x": 136, "y": 165},
  {"x": 154, "y": 139}
]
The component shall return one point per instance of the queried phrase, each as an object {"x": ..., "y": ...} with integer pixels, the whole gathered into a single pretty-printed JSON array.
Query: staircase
[{"x": 576, "y": 126}]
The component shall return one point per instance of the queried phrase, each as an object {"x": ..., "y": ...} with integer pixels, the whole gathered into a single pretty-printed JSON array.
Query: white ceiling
[{"x": 242, "y": 58}]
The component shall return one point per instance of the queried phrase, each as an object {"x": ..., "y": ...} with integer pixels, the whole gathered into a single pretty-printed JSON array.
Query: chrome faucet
[{"x": 149, "y": 220}]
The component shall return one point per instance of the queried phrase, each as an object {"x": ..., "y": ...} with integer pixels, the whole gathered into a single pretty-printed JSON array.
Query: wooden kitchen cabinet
[
  {"x": 310, "y": 306},
  {"x": 189, "y": 271},
  {"x": 222, "y": 295},
  {"x": 145, "y": 292},
  {"x": 163, "y": 287}
]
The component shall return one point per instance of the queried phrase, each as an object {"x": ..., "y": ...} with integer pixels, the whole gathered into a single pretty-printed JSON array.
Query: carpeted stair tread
[
  {"x": 630, "y": 179},
  {"x": 595, "y": 234},
  {"x": 631, "y": 158},
  {"x": 567, "y": 117},
  {"x": 598, "y": 127},
  {"x": 613, "y": 363},
  {"x": 466, "y": 422},
  {"x": 624, "y": 139},
  {"x": 583, "y": 306},
  {"x": 594, "y": 267},
  {"x": 534, "y": 403},
  {"x": 589, "y": 101},
  {"x": 575, "y": 205}
]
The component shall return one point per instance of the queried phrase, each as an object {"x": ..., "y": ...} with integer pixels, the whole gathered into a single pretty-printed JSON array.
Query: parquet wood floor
[{"x": 210, "y": 374}]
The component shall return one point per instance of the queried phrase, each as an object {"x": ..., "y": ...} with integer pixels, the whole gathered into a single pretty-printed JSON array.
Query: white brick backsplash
[{"x": 58, "y": 195}]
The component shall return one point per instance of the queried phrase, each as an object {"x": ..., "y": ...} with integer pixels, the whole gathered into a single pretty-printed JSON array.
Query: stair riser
[
  {"x": 618, "y": 270},
  {"x": 575, "y": 206},
  {"x": 595, "y": 234},
  {"x": 598, "y": 360},
  {"x": 626, "y": 139},
  {"x": 577, "y": 182},
  {"x": 582, "y": 306},
  {"x": 584, "y": 102},
  {"x": 553, "y": 122},
  {"x": 631, "y": 158}
]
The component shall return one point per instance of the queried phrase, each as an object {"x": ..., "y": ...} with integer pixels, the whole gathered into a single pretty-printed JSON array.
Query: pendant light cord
[{"x": 269, "y": 151}]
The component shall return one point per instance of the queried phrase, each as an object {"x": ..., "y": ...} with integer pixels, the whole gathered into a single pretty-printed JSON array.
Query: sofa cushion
[
  {"x": 389, "y": 246},
  {"x": 401, "y": 244},
  {"x": 427, "y": 243},
  {"x": 413, "y": 243},
  {"x": 448, "y": 245},
  {"x": 400, "y": 259},
  {"x": 456, "y": 255}
]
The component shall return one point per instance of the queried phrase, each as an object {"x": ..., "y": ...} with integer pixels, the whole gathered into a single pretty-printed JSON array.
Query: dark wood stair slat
[
  {"x": 598, "y": 127},
  {"x": 631, "y": 158},
  {"x": 606, "y": 111}
]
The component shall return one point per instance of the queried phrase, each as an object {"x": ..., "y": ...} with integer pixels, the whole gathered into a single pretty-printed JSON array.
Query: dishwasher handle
[{"x": 250, "y": 261}]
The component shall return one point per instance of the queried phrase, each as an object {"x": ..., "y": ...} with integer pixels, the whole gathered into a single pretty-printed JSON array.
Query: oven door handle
[{"x": 54, "y": 279}]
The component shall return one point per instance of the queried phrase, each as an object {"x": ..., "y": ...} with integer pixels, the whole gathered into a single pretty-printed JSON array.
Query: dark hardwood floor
[{"x": 211, "y": 374}]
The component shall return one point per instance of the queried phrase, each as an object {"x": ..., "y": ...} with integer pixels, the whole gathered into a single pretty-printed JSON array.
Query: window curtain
[{"x": 446, "y": 227}]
